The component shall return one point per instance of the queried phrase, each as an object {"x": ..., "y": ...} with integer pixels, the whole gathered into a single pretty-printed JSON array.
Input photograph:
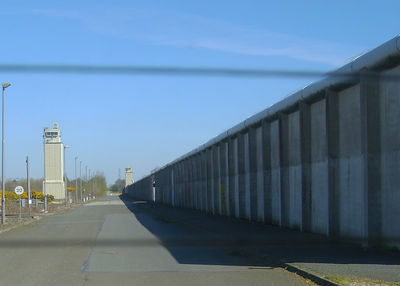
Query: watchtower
[
  {"x": 128, "y": 176},
  {"x": 53, "y": 162}
]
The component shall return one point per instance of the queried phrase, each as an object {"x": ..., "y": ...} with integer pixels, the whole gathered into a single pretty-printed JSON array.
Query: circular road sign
[{"x": 19, "y": 190}]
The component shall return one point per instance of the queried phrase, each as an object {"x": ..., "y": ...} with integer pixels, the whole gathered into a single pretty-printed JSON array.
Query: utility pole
[
  {"x": 65, "y": 176},
  {"x": 86, "y": 180},
  {"x": 89, "y": 182},
  {"x": 76, "y": 183},
  {"x": 44, "y": 171},
  {"x": 28, "y": 185},
  {"x": 80, "y": 178}
]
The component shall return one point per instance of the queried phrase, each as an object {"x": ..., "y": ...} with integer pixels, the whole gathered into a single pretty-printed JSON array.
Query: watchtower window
[{"x": 51, "y": 134}]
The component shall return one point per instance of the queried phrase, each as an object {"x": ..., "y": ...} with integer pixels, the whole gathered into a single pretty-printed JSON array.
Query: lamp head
[{"x": 5, "y": 85}]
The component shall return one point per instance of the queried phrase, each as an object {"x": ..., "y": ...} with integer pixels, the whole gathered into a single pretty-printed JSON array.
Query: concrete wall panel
[
  {"x": 266, "y": 151},
  {"x": 350, "y": 164},
  {"x": 204, "y": 181},
  {"x": 259, "y": 175},
  {"x": 246, "y": 176},
  {"x": 295, "y": 171},
  {"x": 231, "y": 175},
  {"x": 223, "y": 178},
  {"x": 227, "y": 180},
  {"x": 216, "y": 180},
  {"x": 390, "y": 142},
  {"x": 319, "y": 170},
  {"x": 275, "y": 174},
  {"x": 236, "y": 178},
  {"x": 241, "y": 154},
  {"x": 210, "y": 181}
]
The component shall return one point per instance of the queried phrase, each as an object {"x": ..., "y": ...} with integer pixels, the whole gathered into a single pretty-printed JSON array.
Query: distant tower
[
  {"x": 128, "y": 176},
  {"x": 53, "y": 162}
]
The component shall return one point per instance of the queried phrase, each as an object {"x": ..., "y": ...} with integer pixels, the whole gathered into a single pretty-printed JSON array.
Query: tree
[
  {"x": 118, "y": 186},
  {"x": 96, "y": 186}
]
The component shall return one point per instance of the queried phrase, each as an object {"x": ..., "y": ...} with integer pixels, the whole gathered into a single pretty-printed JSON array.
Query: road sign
[{"x": 19, "y": 190}]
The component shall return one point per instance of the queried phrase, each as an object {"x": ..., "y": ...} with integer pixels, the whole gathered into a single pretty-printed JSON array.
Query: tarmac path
[{"x": 109, "y": 242}]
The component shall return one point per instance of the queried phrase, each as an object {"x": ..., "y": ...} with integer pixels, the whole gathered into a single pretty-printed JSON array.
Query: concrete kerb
[
  {"x": 294, "y": 269},
  {"x": 36, "y": 218},
  {"x": 308, "y": 275},
  {"x": 20, "y": 224}
]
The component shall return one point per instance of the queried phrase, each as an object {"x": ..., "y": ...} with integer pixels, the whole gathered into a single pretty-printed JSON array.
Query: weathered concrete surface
[
  {"x": 319, "y": 170},
  {"x": 231, "y": 175},
  {"x": 224, "y": 179},
  {"x": 390, "y": 144},
  {"x": 267, "y": 175},
  {"x": 325, "y": 159},
  {"x": 110, "y": 243},
  {"x": 260, "y": 202},
  {"x": 311, "y": 252},
  {"x": 236, "y": 178},
  {"x": 295, "y": 172},
  {"x": 350, "y": 164}
]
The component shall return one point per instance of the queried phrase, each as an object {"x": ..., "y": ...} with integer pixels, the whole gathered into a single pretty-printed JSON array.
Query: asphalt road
[{"x": 108, "y": 242}]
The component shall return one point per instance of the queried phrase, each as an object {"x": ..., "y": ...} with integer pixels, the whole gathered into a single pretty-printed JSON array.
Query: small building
[
  {"x": 128, "y": 176},
  {"x": 53, "y": 182}
]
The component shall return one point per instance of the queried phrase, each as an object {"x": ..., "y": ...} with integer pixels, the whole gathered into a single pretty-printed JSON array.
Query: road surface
[{"x": 109, "y": 242}]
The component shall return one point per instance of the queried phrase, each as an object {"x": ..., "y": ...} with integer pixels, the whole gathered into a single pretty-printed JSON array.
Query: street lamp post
[
  {"x": 65, "y": 176},
  {"x": 3, "y": 201}
]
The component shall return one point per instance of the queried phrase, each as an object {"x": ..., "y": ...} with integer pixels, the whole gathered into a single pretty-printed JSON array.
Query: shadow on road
[
  {"x": 189, "y": 244},
  {"x": 182, "y": 230}
]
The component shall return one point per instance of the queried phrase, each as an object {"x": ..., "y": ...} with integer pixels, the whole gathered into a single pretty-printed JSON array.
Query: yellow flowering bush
[
  {"x": 39, "y": 196},
  {"x": 9, "y": 195},
  {"x": 34, "y": 195}
]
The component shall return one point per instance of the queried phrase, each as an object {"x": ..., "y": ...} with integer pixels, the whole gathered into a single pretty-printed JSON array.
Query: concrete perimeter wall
[{"x": 324, "y": 160}]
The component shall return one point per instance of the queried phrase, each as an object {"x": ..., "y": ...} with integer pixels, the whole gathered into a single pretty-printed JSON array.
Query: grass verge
[{"x": 351, "y": 281}]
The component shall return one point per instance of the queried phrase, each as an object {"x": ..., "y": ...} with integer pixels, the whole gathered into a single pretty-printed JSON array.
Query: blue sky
[{"x": 113, "y": 121}]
